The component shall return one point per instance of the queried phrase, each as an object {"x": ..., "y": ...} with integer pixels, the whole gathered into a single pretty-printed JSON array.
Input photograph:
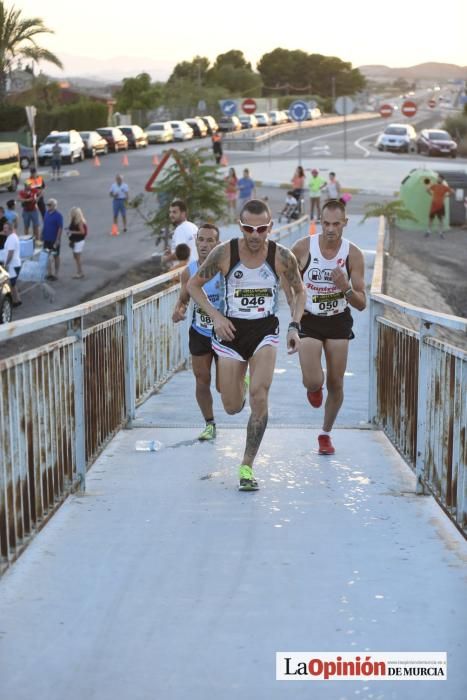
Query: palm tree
[{"x": 18, "y": 40}]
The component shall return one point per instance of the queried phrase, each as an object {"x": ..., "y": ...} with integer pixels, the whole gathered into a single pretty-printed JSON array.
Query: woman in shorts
[{"x": 78, "y": 230}]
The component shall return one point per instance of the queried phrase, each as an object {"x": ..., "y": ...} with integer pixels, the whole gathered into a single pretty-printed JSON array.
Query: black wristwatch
[{"x": 293, "y": 325}]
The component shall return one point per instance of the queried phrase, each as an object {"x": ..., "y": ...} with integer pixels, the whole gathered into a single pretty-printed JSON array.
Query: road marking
[
  {"x": 357, "y": 143},
  {"x": 327, "y": 135}
]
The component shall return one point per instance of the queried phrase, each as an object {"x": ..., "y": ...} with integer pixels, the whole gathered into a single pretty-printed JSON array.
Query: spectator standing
[
  {"x": 438, "y": 191},
  {"x": 216, "y": 139},
  {"x": 12, "y": 260},
  {"x": 119, "y": 194},
  {"x": 3, "y": 220},
  {"x": 231, "y": 192},
  {"x": 315, "y": 185},
  {"x": 185, "y": 231},
  {"x": 333, "y": 188},
  {"x": 51, "y": 235},
  {"x": 246, "y": 188},
  {"x": 78, "y": 230},
  {"x": 30, "y": 212},
  {"x": 298, "y": 186},
  {"x": 37, "y": 185},
  {"x": 11, "y": 215},
  {"x": 56, "y": 160}
]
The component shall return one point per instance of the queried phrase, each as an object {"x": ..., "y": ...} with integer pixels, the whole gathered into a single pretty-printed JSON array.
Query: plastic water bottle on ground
[{"x": 148, "y": 445}]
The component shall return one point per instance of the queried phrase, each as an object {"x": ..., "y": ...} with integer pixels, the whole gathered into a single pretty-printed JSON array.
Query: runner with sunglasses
[
  {"x": 246, "y": 328},
  {"x": 333, "y": 272}
]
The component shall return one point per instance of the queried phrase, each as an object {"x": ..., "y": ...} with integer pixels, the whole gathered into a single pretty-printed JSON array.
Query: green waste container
[{"x": 417, "y": 200}]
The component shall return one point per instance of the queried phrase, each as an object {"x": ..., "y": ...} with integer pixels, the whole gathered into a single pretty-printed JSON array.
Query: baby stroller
[{"x": 292, "y": 207}]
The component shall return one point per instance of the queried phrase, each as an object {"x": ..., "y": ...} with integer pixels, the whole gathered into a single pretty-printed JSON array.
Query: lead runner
[{"x": 246, "y": 328}]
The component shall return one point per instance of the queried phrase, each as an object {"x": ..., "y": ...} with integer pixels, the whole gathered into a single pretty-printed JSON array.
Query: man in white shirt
[
  {"x": 12, "y": 260},
  {"x": 119, "y": 194},
  {"x": 185, "y": 231}
]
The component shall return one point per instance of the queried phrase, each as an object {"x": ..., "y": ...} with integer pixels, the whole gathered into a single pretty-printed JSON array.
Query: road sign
[
  {"x": 344, "y": 105},
  {"x": 228, "y": 107},
  {"x": 298, "y": 110},
  {"x": 249, "y": 105},
  {"x": 409, "y": 108},
  {"x": 432, "y": 103},
  {"x": 386, "y": 110}
]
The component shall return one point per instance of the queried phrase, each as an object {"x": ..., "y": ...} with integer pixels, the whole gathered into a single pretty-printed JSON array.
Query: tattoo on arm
[
  {"x": 254, "y": 435},
  {"x": 291, "y": 271},
  {"x": 212, "y": 264}
]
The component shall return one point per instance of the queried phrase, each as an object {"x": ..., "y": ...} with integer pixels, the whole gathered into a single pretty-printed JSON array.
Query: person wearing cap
[
  {"x": 51, "y": 235},
  {"x": 315, "y": 186},
  {"x": 37, "y": 185}
]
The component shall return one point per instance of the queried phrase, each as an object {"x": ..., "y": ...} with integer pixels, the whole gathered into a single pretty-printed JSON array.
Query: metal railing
[
  {"x": 62, "y": 402},
  {"x": 418, "y": 392}
]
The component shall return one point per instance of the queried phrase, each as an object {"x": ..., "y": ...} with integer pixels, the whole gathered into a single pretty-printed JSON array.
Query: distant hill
[{"x": 423, "y": 71}]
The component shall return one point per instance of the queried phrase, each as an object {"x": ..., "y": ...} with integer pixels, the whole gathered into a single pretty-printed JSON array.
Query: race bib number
[
  {"x": 254, "y": 300},
  {"x": 202, "y": 320},
  {"x": 328, "y": 304}
]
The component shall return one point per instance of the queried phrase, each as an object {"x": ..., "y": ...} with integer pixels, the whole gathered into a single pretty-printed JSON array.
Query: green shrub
[
  {"x": 81, "y": 116},
  {"x": 12, "y": 118}
]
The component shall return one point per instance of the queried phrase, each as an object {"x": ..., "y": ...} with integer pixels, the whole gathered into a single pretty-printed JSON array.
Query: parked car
[
  {"x": 94, "y": 143},
  {"x": 137, "y": 138},
  {"x": 263, "y": 119},
  {"x": 397, "y": 137},
  {"x": 212, "y": 125},
  {"x": 10, "y": 169},
  {"x": 436, "y": 142},
  {"x": 248, "y": 121},
  {"x": 26, "y": 156},
  {"x": 277, "y": 117},
  {"x": 182, "y": 132},
  {"x": 70, "y": 142},
  {"x": 116, "y": 139},
  {"x": 231, "y": 123},
  {"x": 287, "y": 115},
  {"x": 6, "y": 302},
  {"x": 160, "y": 132},
  {"x": 200, "y": 129}
]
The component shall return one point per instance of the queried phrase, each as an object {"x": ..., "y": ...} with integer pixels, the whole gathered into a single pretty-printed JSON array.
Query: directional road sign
[
  {"x": 249, "y": 105},
  {"x": 409, "y": 108},
  {"x": 344, "y": 105},
  {"x": 298, "y": 110},
  {"x": 228, "y": 107},
  {"x": 386, "y": 110},
  {"x": 432, "y": 103}
]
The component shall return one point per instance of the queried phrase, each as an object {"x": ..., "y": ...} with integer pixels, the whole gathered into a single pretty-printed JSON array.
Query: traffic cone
[
  {"x": 155, "y": 160},
  {"x": 312, "y": 227},
  {"x": 125, "y": 160},
  {"x": 224, "y": 161},
  {"x": 114, "y": 230},
  {"x": 97, "y": 162}
]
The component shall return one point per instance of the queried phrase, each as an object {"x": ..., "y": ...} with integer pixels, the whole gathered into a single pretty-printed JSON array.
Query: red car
[{"x": 115, "y": 138}]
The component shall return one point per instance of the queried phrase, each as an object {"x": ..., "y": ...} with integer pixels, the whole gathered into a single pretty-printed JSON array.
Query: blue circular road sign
[
  {"x": 298, "y": 110},
  {"x": 229, "y": 107}
]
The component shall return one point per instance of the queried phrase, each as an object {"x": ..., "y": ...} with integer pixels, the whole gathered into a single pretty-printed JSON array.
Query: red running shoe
[
  {"x": 325, "y": 445},
  {"x": 315, "y": 397}
]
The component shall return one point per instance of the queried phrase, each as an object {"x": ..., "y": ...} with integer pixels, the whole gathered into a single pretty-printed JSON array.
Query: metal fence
[
  {"x": 418, "y": 392},
  {"x": 62, "y": 402}
]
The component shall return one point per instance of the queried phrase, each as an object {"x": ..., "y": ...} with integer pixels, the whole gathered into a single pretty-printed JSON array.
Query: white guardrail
[
  {"x": 418, "y": 392},
  {"x": 62, "y": 402}
]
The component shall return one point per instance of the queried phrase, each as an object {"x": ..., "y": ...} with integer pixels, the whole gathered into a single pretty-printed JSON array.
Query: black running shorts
[
  {"x": 338, "y": 327},
  {"x": 250, "y": 336},
  {"x": 199, "y": 344}
]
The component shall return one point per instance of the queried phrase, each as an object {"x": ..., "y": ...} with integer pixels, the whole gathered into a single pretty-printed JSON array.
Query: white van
[
  {"x": 71, "y": 143},
  {"x": 10, "y": 168}
]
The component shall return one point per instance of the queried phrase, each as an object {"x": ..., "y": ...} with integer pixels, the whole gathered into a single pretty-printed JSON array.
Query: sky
[{"x": 93, "y": 37}]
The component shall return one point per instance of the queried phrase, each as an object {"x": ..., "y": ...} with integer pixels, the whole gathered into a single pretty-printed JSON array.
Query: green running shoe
[
  {"x": 209, "y": 433},
  {"x": 247, "y": 480}
]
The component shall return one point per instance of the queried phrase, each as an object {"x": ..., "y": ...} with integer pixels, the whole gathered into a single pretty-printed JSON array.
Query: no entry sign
[
  {"x": 385, "y": 110},
  {"x": 249, "y": 105},
  {"x": 409, "y": 108}
]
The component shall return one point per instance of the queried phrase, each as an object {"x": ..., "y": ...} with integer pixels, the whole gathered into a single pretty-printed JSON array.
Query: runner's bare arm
[
  {"x": 357, "y": 296},
  {"x": 300, "y": 250},
  {"x": 287, "y": 267},
  {"x": 217, "y": 261},
  {"x": 179, "y": 311}
]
